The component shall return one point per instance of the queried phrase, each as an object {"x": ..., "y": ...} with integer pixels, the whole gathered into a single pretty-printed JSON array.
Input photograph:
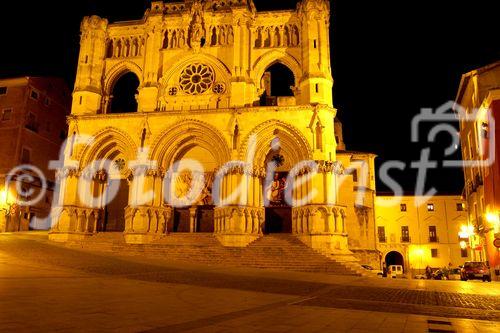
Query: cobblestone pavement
[{"x": 44, "y": 286}]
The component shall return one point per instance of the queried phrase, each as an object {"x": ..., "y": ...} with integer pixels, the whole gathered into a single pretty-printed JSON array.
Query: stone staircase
[{"x": 276, "y": 251}]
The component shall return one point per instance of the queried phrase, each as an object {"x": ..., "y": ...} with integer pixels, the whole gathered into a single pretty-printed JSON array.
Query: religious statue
[
  {"x": 276, "y": 190},
  {"x": 197, "y": 31}
]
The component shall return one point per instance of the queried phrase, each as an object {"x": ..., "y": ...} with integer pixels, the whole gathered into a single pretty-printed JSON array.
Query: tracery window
[{"x": 197, "y": 79}]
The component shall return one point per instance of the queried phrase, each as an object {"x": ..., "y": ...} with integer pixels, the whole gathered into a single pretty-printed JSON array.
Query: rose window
[{"x": 196, "y": 79}]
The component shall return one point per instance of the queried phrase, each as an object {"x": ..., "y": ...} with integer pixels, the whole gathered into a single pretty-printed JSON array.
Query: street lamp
[{"x": 494, "y": 220}]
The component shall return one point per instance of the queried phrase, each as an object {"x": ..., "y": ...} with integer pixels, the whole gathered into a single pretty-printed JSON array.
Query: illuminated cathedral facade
[{"x": 246, "y": 97}]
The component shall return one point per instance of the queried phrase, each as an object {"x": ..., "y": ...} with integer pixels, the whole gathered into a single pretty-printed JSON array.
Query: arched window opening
[
  {"x": 110, "y": 49},
  {"x": 143, "y": 138},
  {"x": 166, "y": 40},
  {"x": 124, "y": 94},
  {"x": 278, "y": 81},
  {"x": 319, "y": 136},
  {"x": 277, "y": 37},
  {"x": 267, "y": 38},
  {"x": 236, "y": 136},
  {"x": 214, "y": 37}
]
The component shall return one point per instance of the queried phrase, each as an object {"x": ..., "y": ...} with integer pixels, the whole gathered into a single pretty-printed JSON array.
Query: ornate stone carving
[
  {"x": 197, "y": 32},
  {"x": 197, "y": 79}
]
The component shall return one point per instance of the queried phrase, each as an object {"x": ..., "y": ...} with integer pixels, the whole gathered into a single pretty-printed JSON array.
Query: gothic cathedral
[{"x": 210, "y": 116}]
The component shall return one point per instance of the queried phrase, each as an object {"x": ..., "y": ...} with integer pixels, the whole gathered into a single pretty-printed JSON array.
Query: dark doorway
[
  {"x": 205, "y": 219},
  {"x": 124, "y": 94},
  {"x": 278, "y": 220},
  {"x": 394, "y": 258},
  {"x": 115, "y": 211},
  {"x": 181, "y": 220}
]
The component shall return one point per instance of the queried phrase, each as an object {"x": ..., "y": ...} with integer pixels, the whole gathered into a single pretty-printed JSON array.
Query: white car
[
  {"x": 395, "y": 271},
  {"x": 373, "y": 270}
]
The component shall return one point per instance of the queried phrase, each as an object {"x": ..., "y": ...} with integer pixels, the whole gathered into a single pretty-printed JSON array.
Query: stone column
[
  {"x": 321, "y": 221},
  {"x": 146, "y": 219},
  {"x": 239, "y": 219},
  {"x": 193, "y": 211}
]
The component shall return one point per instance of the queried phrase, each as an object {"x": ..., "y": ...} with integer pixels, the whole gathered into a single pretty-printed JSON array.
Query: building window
[
  {"x": 430, "y": 207},
  {"x": 405, "y": 234},
  {"x": 434, "y": 253},
  {"x": 7, "y": 114},
  {"x": 460, "y": 207},
  {"x": 26, "y": 156},
  {"x": 464, "y": 253},
  {"x": 34, "y": 95},
  {"x": 31, "y": 123},
  {"x": 3, "y": 91},
  {"x": 433, "y": 238},
  {"x": 403, "y": 207},
  {"x": 381, "y": 235}
]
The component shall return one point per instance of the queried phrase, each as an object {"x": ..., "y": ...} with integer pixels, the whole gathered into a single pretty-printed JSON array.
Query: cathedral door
[
  {"x": 114, "y": 213},
  {"x": 205, "y": 219},
  {"x": 181, "y": 220}
]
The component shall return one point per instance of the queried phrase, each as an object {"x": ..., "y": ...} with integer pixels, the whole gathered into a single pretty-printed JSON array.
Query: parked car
[
  {"x": 420, "y": 277},
  {"x": 475, "y": 270},
  {"x": 373, "y": 270},
  {"x": 454, "y": 274},
  {"x": 395, "y": 271},
  {"x": 438, "y": 275}
]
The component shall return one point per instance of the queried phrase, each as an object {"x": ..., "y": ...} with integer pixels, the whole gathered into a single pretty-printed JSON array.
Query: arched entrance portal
[
  {"x": 280, "y": 147},
  {"x": 278, "y": 210},
  {"x": 105, "y": 183},
  {"x": 194, "y": 170},
  {"x": 394, "y": 258}
]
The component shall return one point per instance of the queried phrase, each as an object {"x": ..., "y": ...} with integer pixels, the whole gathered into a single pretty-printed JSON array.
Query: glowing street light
[
  {"x": 493, "y": 218},
  {"x": 466, "y": 232}
]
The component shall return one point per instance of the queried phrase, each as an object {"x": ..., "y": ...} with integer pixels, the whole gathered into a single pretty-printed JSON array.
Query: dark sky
[{"x": 389, "y": 60}]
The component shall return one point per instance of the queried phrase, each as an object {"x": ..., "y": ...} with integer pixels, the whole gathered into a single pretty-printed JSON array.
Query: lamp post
[
  {"x": 466, "y": 233},
  {"x": 4, "y": 208}
]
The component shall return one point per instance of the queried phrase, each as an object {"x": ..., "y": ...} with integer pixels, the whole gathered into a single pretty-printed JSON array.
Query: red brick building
[
  {"x": 33, "y": 113},
  {"x": 480, "y": 136}
]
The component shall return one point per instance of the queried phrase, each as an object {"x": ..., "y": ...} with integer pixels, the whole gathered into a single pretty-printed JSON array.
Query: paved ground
[{"x": 46, "y": 287}]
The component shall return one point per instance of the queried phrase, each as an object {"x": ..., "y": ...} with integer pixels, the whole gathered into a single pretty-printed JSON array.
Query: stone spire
[{"x": 314, "y": 7}]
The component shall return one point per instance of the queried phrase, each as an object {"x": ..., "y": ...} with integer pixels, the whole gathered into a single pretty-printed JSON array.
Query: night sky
[{"x": 389, "y": 60}]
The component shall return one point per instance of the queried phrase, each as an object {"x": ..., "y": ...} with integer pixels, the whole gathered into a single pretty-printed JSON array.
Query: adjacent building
[
  {"x": 416, "y": 232},
  {"x": 478, "y": 109},
  {"x": 33, "y": 113}
]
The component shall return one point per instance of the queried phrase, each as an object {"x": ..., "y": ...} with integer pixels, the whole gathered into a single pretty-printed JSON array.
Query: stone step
[{"x": 280, "y": 252}]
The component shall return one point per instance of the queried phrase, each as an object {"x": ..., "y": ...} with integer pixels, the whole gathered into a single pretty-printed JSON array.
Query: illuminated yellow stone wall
[{"x": 418, "y": 217}]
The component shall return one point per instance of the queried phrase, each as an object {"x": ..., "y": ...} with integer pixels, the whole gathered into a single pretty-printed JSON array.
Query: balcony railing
[
  {"x": 433, "y": 239},
  {"x": 382, "y": 239},
  {"x": 405, "y": 239}
]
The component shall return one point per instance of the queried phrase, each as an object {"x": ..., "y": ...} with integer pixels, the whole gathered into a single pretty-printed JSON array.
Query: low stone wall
[{"x": 367, "y": 257}]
